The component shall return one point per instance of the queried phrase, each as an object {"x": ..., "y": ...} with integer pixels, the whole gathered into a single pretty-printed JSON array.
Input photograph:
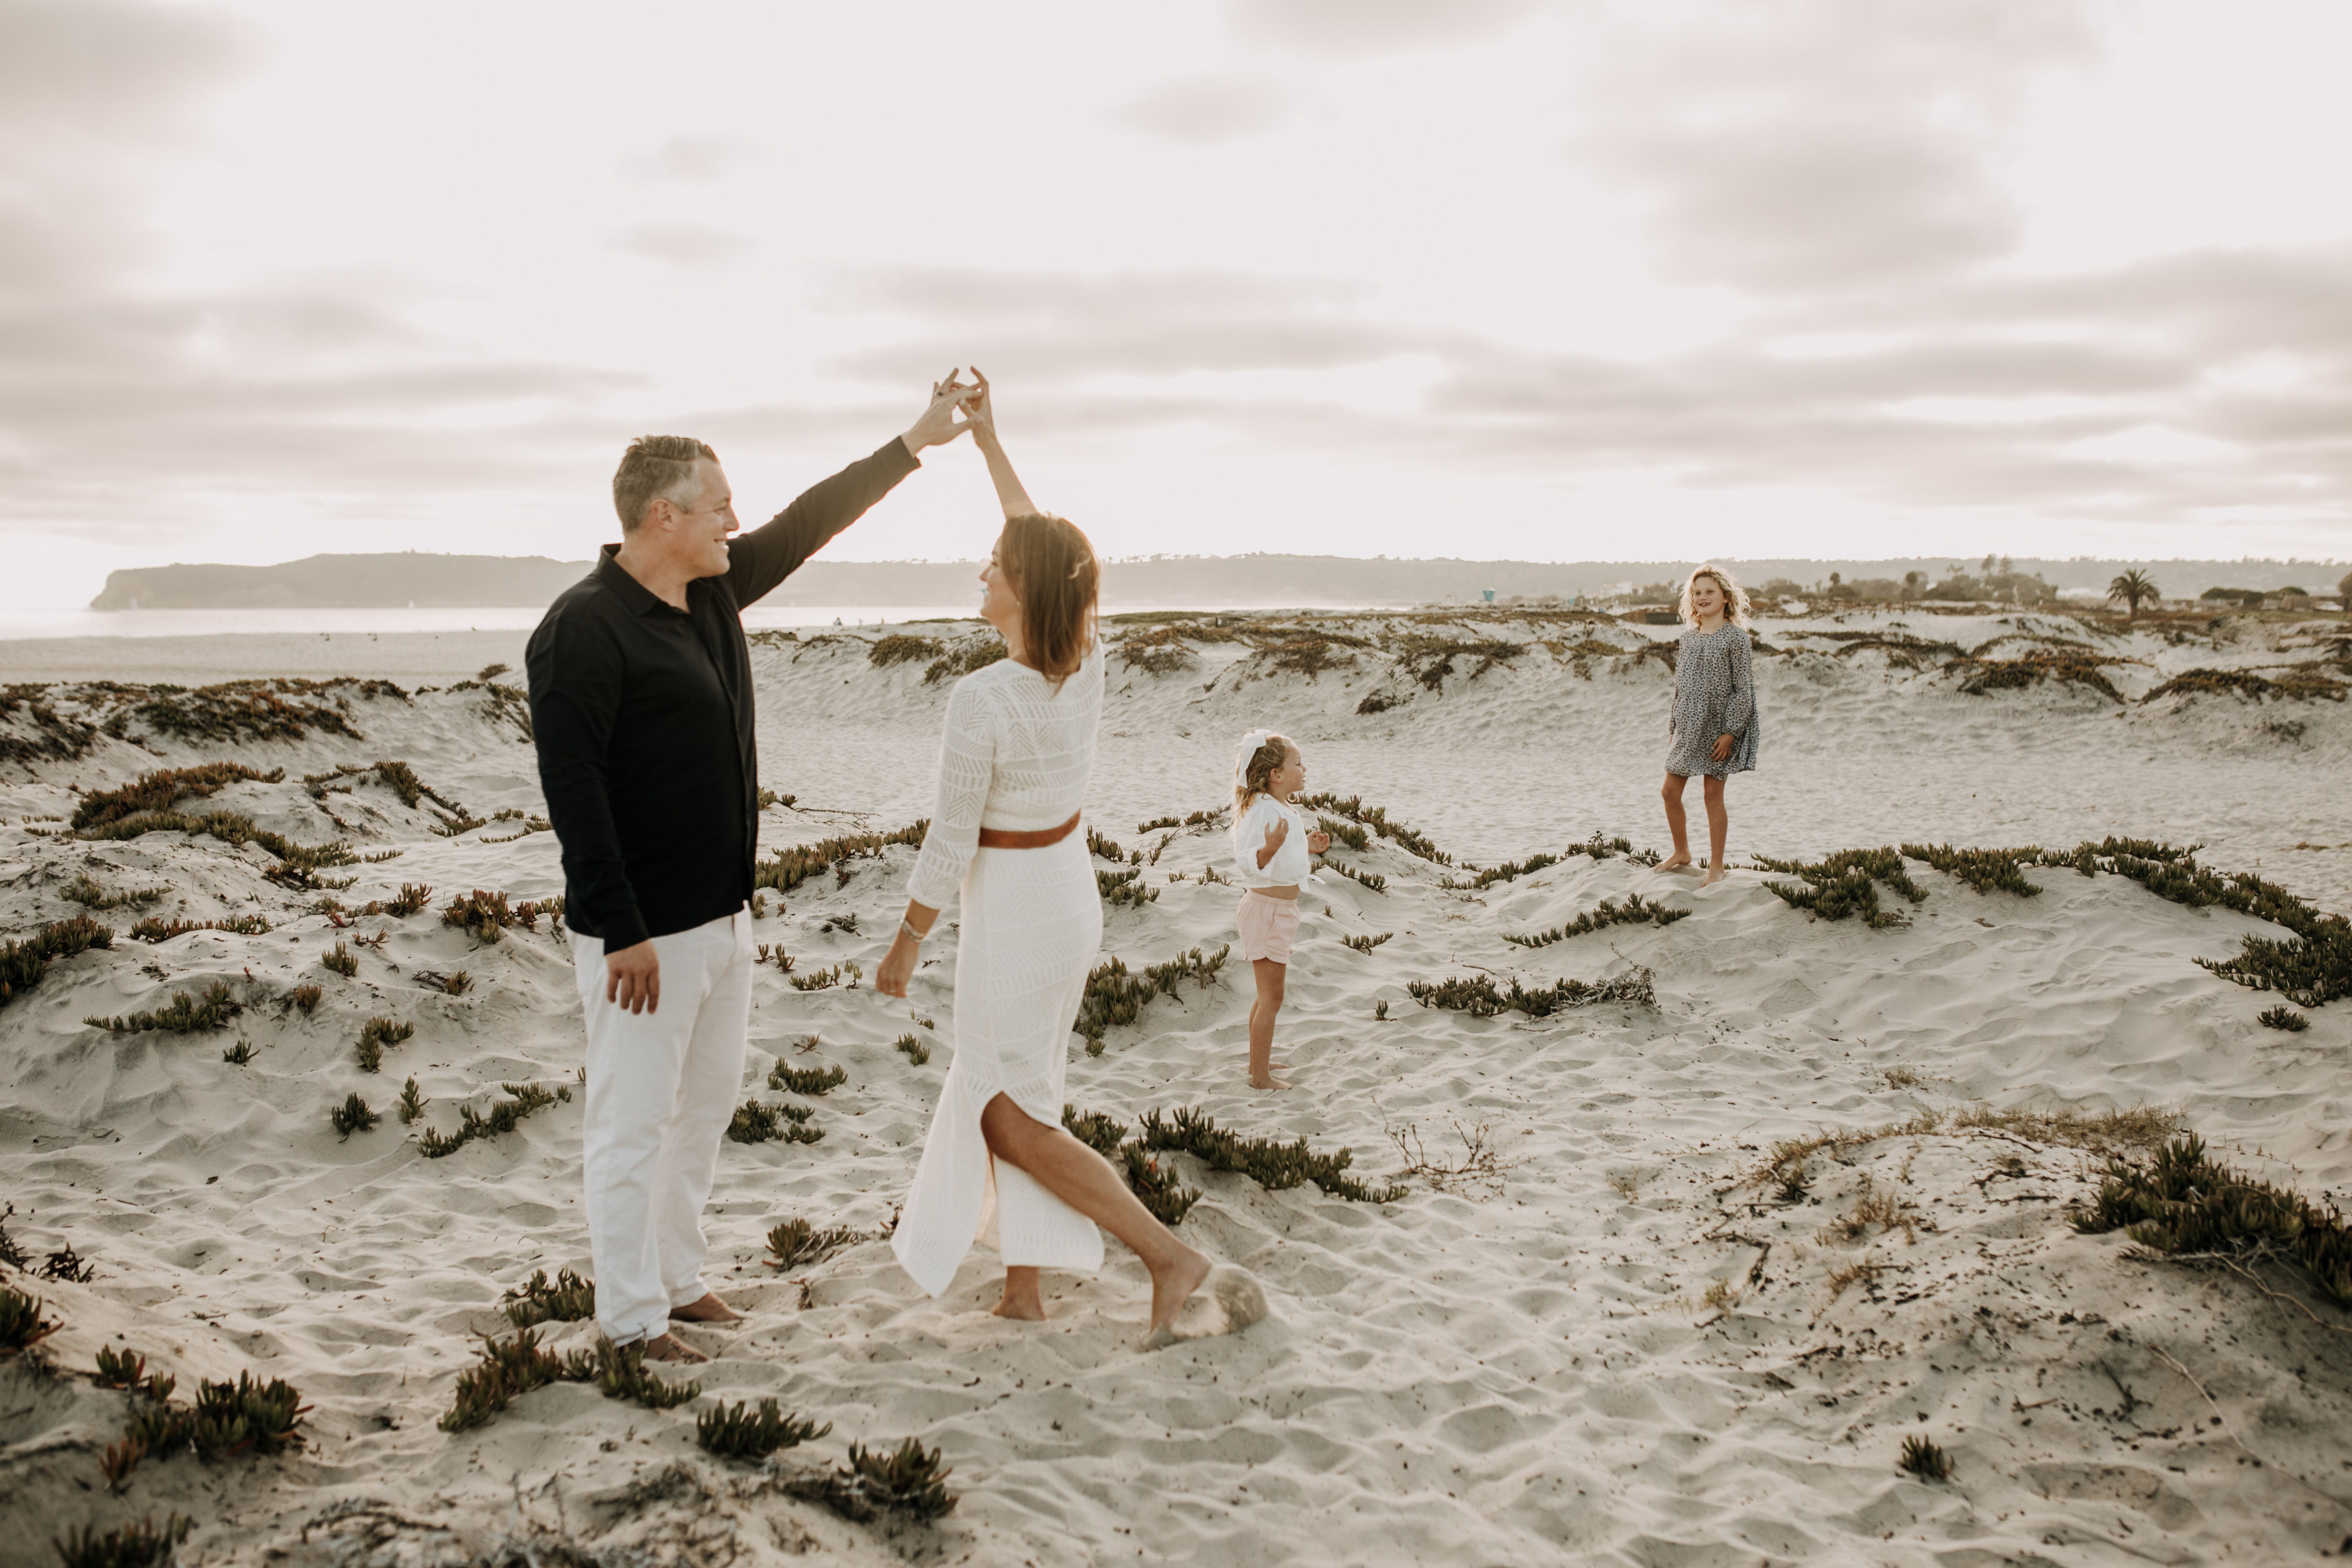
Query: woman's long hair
[
  {"x": 1056, "y": 576},
  {"x": 1735, "y": 597}
]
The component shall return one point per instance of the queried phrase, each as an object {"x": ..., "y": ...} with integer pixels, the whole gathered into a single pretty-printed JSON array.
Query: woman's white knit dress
[{"x": 1016, "y": 754}]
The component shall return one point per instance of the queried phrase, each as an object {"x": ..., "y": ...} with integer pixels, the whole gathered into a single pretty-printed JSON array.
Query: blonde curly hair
[{"x": 1735, "y": 597}]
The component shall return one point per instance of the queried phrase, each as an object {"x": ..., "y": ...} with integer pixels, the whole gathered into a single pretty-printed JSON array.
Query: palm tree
[
  {"x": 2131, "y": 588},
  {"x": 2344, "y": 593}
]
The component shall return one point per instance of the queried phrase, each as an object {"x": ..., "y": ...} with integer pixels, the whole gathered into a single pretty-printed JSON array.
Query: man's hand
[
  {"x": 937, "y": 425},
  {"x": 1723, "y": 747},
  {"x": 632, "y": 978}
]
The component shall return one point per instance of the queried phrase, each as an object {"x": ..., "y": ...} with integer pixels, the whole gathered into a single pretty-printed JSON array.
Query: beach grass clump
[
  {"x": 151, "y": 930},
  {"x": 305, "y": 997},
  {"x": 2075, "y": 666},
  {"x": 188, "y": 1014},
  {"x": 22, "y": 964},
  {"x": 1844, "y": 884},
  {"x": 238, "y": 1055},
  {"x": 1478, "y": 995},
  {"x": 979, "y": 654},
  {"x": 1167, "y": 1199},
  {"x": 1371, "y": 880},
  {"x": 1273, "y": 1166},
  {"x": 482, "y": 915},
  {"x": 456, "y": 984},
  {"x": 1158, "y": 823},
  {"x": 504, "y": 1117},
  {"x": 1346, "y": 833},
  {"x": 1505, "y": 872},
  {"x": 794, "y": 1242},
  {"x": 1097, "y": 1130},
  {"x": 158, "y": 792},
  {"x": 22, "y": 1326},
  {"x": 376, "y": 1034},
  {"x": 1125, "y": 887},
  {"x": 258, "y": 710},
  {"x": 795, "y": 864},
  {"x": 12, "y": 1251},
  {"x": 145, "y": 1544},
  {"x": 815, "y": 979},
  {"x": 299, "y": 865},
  {"x": 1634, "y": 910},
  {"x": 1107, "y": 849},
  {"x": 507, "y": 1370},
  {"x": 2303, "y": 683},
  {"x": 410, "y": 899},
  {"x": 909, "y": 1480},
  {"x": 1375, "y": 817},
  {"x": 228, "y": 1420},
  {"x": 902, "y": 648},
  {"x": 2181, "y": 1202},
  {"x": 569, "y": 1299},
  {"x": 1986, "y": 871},
  {"x": 1923, "y": 1459},
  {"x": 2286, "y": 1019},
  {"x": 738, "y": 1432},
  {"x": 412, "y": 1101},
  {"x": 811, "y": 1081},
  {"x": 342, "y": 960},
  {"x": 912, "y": 1047},
  {"x": 85, "y": 890},
  {"x": 1365, "y": 943},
  {"x": 756, "y": 1121},
  {"x": 1113, "y": 995},
  {"x": 1429, "y": 659},
  {"x": 354, "y": 1115}
]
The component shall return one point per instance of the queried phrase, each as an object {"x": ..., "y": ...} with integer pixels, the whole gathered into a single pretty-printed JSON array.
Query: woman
[
  {"x": 1014, "y": 766},
  {"x": 1712, "y": 730}
]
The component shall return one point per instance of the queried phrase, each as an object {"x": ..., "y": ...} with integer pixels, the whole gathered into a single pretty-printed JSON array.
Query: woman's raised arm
[{"x": 981, "y": 415}]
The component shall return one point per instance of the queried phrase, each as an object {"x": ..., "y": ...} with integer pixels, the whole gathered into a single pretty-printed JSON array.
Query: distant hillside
[{"x": 336, "y": 582}]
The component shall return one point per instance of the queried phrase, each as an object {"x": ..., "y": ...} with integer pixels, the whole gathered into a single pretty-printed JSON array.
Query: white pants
[{"x": 661, "y": 1089}]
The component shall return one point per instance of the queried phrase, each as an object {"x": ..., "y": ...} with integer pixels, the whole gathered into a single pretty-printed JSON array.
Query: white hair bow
[{"x": 1250, "y": 744}]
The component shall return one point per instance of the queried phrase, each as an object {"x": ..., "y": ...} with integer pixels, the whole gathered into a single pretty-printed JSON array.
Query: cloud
[
  {"x": 1372, "y": 26},
  {"x": 1810, "y": 146},
  {"x": 693, "y": 158},
  {"x": 686, "y": 245},
  {"x": 1207, "y": 110}
]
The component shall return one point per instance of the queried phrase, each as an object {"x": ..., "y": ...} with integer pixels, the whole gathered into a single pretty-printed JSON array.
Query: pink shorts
[{"x": 1269, "y": 927}]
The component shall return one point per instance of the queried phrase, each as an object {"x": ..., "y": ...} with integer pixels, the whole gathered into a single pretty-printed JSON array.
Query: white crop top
[{"x": 1290, "y": 864}]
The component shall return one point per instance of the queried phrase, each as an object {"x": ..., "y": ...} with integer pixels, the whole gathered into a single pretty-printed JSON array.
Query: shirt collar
[{"x": 640, "y": 599}]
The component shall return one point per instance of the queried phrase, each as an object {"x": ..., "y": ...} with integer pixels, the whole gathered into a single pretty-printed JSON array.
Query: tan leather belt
[{"x": 1008, "y": 838}]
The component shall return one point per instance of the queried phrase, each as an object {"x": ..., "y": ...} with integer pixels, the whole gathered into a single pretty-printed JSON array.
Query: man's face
[{"x": 700, "y": 530}]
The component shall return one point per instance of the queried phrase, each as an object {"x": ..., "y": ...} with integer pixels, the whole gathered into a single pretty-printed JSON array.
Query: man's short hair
[{"x": 655, "y": 467}]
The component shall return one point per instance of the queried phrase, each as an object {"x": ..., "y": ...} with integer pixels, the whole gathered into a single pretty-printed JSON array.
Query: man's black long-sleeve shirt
[{"x": 643, "y": 718}]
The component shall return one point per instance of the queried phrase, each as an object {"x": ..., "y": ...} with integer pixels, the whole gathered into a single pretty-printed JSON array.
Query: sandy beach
[{"x": 1622, "y": 1335}]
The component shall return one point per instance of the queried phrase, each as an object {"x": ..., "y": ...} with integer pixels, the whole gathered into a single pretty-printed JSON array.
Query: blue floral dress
[{"x": 1714, "y": 695}]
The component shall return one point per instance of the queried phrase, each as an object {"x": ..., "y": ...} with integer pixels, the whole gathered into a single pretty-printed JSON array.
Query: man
[{"x": 641, "y": 704}]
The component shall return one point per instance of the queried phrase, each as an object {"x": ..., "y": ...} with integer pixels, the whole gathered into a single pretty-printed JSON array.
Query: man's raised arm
[{"x": 772, "y": 552}]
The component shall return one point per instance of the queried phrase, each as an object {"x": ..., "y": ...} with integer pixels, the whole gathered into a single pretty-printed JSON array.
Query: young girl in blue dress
[{"x": 1712, "y": 731}]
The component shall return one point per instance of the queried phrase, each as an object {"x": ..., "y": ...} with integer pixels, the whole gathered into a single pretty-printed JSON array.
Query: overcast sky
[{"x": 1477, "y": 277}]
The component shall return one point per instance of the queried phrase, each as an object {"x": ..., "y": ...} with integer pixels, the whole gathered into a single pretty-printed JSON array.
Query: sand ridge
[{"x": 1617, "y": 1343}]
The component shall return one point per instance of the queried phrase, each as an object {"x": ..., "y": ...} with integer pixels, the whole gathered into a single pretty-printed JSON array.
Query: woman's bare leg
[
  {"x": 1678, "y": 823},
  {"x": 1021, "y": 1298},
  {"x": 1084, "y": 1180},
  {"x": 1271, "y": 979},
  {"x": 1719, "y": 827}
]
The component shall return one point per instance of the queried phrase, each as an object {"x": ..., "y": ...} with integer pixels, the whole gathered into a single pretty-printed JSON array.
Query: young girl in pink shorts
[{"x": 1272, "y": 841}]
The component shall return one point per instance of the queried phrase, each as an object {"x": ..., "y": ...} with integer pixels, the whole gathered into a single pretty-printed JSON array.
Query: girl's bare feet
[
  {"x": 1671, "y": 863},
  {"x": 1715, "y": 874},
  {"x": 669, "y": 1347},
  {"x": 1268, "y": 1081}
]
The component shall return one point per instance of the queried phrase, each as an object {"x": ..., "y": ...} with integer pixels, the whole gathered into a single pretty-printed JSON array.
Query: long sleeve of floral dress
[{"x": 966, "y": 765}]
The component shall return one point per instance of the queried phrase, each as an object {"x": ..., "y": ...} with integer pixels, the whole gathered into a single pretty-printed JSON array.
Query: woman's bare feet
[
  {"x": 1671, "y": 863},
  {"x": 669, "y": 1347},
  {"x": 1021, "y": 1298},
  {"x": 1714, "y": 874},
  {"x": 1267, "y": 1081},
  {"x": 1172, "y": 1284},
  {"x": 709, "y": 1309}
]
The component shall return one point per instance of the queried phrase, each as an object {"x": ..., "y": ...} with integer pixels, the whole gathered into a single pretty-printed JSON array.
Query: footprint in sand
[{"x": 1228, "y": 1301}]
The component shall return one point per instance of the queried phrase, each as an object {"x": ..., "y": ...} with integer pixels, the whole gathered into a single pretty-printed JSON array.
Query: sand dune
[{"x": 1613, "y": 1341}]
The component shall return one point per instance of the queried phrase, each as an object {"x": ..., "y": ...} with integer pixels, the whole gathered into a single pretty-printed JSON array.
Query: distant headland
[{"x": 424, "y": 581}]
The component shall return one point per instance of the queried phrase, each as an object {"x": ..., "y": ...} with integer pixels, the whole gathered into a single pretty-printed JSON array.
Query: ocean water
[{"x": 31, "y": 624}]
